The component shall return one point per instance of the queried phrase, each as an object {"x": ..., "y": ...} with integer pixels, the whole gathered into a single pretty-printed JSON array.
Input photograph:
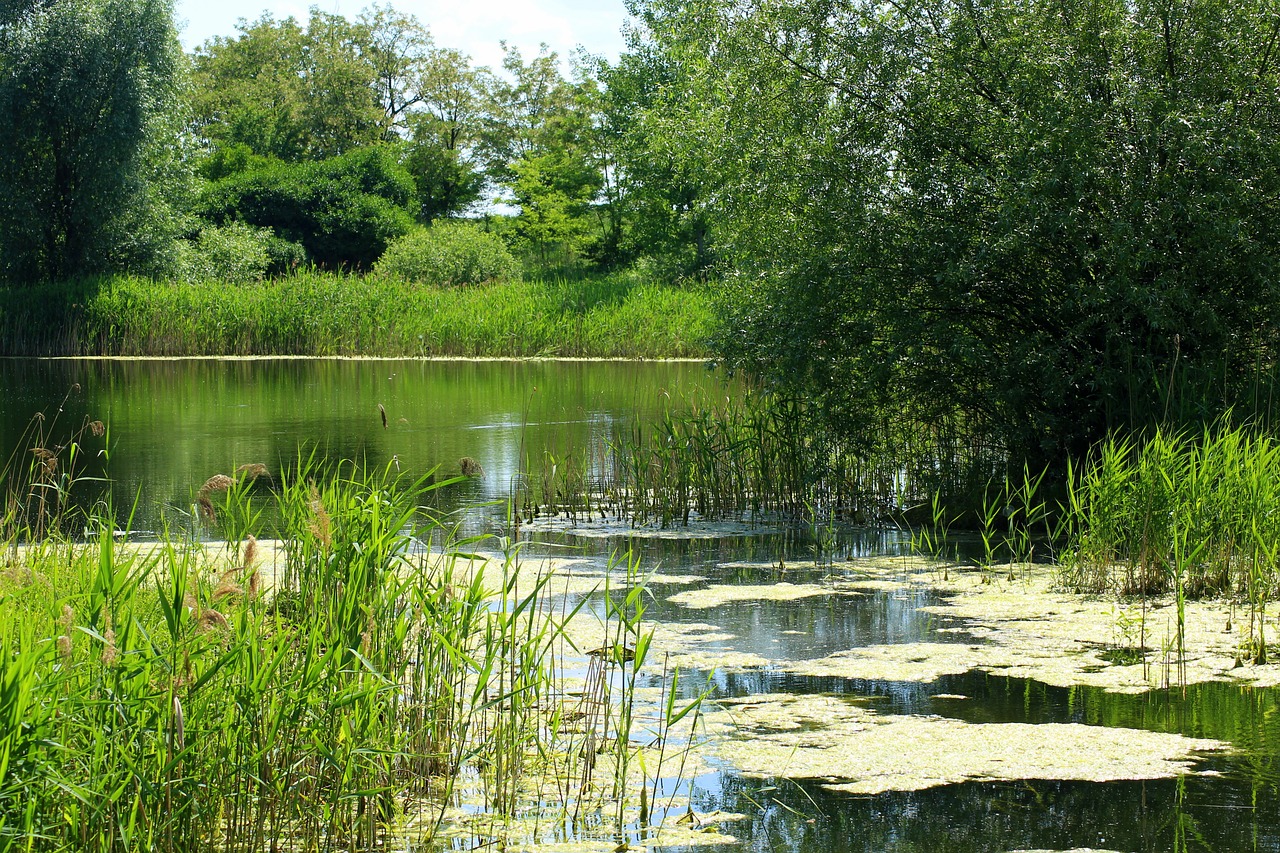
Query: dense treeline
[
  {"x": 1038, "y": 218},
  {"x": 291, "y": 143},
  {"x": 1029, "y": 220}
]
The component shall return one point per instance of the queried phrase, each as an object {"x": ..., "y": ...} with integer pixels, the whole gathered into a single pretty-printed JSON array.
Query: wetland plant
[{"x": 322, "y": 692}]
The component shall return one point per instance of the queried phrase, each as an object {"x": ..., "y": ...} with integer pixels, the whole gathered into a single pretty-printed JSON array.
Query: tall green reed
[{"x": 318, "y": 313}]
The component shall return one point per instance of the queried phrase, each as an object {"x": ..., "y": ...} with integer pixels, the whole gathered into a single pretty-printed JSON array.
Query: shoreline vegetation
[
  {"x": 351, "y": 682},
  {"x": 613, "y": 315}
]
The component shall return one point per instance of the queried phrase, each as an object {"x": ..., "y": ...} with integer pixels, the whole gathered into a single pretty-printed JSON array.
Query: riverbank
[{"x": 618, "y": 315}]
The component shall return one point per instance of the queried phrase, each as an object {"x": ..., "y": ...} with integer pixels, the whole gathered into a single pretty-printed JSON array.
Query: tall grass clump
[
  {"x": 310, "y": 312},
  {"x": 1190, "y": 513},
  {"x": 327, "y": 690},
  {"x": 757, "y": 455}
]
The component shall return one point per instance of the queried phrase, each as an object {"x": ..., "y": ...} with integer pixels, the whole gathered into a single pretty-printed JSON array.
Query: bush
[
  {"x": 343, "y": 211},
  {"x": 237, "y": 252},
  {"x": 449, "y": 253}
]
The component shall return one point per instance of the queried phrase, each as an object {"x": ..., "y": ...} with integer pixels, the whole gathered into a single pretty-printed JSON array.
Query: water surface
[{"x": 172, "y": 424}]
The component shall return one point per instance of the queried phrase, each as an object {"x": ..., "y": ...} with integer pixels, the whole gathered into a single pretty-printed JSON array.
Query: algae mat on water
[
  {"x": 853, "y": 749},
  {"x": 1017, "y": 622}
]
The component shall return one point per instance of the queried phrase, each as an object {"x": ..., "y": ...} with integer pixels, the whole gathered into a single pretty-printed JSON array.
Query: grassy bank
[{"x": 311, "y": 313}]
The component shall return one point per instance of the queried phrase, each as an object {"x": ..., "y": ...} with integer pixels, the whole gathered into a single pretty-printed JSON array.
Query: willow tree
[
  {"x": 88, "y": 90},
  {"x": 1042, "y": 217}
]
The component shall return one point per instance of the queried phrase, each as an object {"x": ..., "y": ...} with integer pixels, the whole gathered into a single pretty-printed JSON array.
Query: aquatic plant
[
  {"x": 758, "y": 455},
  {"x": 317, "y": 691},
  {"x": 1194, "y": 514},
  {"x": 309, "y": 312}
]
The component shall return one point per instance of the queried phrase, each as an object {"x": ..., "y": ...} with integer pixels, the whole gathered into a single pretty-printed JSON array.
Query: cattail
[
  {"x": 320, "y": 523},
  {"x": 251, "y": 470},
  {"x": 383, "y": 412},
  {"x": 68, "y": 622},
  {"x": 250, "y": 553},
  {"x": 227, "y": 587},
  {"x": 255, "y": 582},
  {"x": 366, "y": 637},
  {"x": 109, "y": 651},
  {"x": 206, "y": 508}
]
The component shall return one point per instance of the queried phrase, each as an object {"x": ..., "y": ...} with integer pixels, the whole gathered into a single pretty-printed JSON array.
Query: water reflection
[{"x": 172, "y": 424}]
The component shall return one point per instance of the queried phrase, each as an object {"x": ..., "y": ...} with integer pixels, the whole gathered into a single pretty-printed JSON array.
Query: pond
[{"x": 771, "y": 610}]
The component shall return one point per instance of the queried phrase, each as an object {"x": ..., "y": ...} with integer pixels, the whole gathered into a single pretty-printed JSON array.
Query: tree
[
  {"x": 288, "y": 92},
  {"x": 538, "y": 144},
  {"x": 1034, "y": 217},
  {"x": 656, "y": 179},
  {"x": 88, "y": 92},
  {"x": 343, "y": 211},
  {"x": 444, "y": 132}
]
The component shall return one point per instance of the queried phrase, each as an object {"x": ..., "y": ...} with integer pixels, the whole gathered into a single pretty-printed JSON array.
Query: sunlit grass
[{"x": 313, "y": 313}]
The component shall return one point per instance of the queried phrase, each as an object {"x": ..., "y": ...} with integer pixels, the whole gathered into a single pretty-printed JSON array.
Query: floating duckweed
[{"x": 714, "y": 596}]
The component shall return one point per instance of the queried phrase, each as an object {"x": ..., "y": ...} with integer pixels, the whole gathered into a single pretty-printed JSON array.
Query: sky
[{"x": 473, "y": 26}]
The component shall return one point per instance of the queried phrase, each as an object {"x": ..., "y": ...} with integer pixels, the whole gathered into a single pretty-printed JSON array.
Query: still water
[{"x": 172, "y": 424}]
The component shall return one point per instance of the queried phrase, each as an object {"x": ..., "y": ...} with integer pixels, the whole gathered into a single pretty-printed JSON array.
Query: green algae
[
  {"x": 850, "y": 748},
  {"x": 715, "y": 596}
]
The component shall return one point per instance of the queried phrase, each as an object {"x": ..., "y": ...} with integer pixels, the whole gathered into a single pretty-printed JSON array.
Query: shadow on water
[{"x": 1192, "y": 813}]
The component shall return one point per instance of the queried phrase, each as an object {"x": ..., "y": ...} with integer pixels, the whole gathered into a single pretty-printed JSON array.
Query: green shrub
[
  {"x": 343, "y": 211},
  {"x": 237, "y": 252},
  {"x": 449, "y": 253}
]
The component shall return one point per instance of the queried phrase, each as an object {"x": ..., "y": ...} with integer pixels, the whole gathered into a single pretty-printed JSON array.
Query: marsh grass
[
  {"x": 316, "y": 699},
  {"x": 753, "y": 456},
  {"x": 316, "y": 313},
  {"x": 1187, "y": 513}
]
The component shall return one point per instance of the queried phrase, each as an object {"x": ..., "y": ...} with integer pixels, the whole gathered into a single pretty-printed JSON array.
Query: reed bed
[
  {"x": 753, "y": 456},
  {"x": 326, "y": 314},
  {"x": 333, "y": 692},
  {"x": 1200, "y": 511}
]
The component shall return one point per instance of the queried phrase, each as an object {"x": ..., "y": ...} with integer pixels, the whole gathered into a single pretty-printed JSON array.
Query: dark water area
[{"x": 172, "y": 424}]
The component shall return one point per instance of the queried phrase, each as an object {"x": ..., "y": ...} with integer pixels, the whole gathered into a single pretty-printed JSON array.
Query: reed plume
[{"x": 320, "y": 523}]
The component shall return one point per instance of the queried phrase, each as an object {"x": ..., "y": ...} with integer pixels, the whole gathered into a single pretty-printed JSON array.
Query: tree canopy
[
  {"x": 88, "y": 101},
  {"x": 1038, "y": 216}
]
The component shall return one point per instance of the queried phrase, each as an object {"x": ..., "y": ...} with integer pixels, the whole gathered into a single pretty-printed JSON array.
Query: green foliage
[
  {"x": 237, "y": 252},
  {"x": 313, "y": 313},
  {"x": 343, "y": 211},
  {"x": 159, "y": 699},
  {"x": 447, "y": 182},
  {"x": 1025, "y": 214},
  {"x": 449, "y": 253},
  {"x": 288, "y": 92},
  {"x": 538, "y": 143},
  {"x": 88, "y": 94},
  {"x": 658, "y": 178},
  {"x": 1193, "y": 513}
]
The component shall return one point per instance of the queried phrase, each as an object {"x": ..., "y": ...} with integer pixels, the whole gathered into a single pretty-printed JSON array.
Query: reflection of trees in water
[
  {"x": 175, "y": 423},
  {"x": 984, "y": 816}
]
